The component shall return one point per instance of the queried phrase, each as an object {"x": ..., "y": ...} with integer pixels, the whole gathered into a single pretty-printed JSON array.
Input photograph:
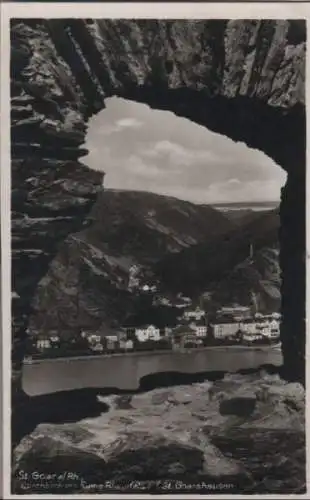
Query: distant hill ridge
[
  {"x": 187, "y": 247},
  {"x": 146, "y": 226},
  {"x": 248, "y": 204},
  {"x": 223, "y": 267},
  {"x": 87, "y": 283}
]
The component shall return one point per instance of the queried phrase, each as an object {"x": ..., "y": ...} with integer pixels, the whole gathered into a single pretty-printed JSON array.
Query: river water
[{"x": 125, "y": 372}]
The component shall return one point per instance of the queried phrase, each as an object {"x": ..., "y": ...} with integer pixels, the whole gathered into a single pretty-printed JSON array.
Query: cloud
[
  {"x": 169, "y": 147},
  {"x": 136, "y": 166},
  {"x": 178, "y": 154},
  {"x": 237, "y": 191},
  {"x": 129, "y": 123},
  {"x": 233, "y": 184},
  {"x": 107, "y": 128}
]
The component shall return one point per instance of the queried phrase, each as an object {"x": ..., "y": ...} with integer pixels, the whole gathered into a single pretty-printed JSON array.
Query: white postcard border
[{"x": 229, "y": 10}]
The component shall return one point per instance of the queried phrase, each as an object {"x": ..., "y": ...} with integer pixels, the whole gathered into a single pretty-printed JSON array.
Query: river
[{"x": 127, "y": 371}]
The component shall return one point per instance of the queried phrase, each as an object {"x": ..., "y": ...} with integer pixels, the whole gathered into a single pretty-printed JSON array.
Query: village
[
  {"x": 235, "y": 325},
  {"x": 193, "y": 324}
]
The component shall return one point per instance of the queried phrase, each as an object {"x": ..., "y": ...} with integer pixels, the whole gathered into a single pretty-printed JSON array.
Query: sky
[{"x": 139, "y": 148}]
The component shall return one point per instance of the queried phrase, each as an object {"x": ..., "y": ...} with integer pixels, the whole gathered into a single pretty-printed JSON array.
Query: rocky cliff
[
  {"x": 244, "y": 79},
  {"x": 255, "y": 280},
  {"x": 52, "y": 192},
  {"x": 87, "y": 284},
  {"x": 223, "y": 263},
  {"x": 181, "y": 246}
]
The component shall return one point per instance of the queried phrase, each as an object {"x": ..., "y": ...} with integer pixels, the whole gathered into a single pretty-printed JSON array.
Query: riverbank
[{"x": 229, "y": 348}]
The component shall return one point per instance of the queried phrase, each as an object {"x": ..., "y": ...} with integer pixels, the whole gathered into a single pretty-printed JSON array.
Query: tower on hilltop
[{"x": 251, "y": 251}]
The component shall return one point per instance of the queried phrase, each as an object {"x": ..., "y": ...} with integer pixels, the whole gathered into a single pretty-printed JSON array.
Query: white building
[
  {"x": 196, "y": 314},
  {"x": 43, "y": 343},
  {"x": 54, "y": 339},
  {"x": 275, "y": 325},
  {"x": 94, "y": 341},
  {"x": 147, "y": 332},
  {"x": 126, "y": 344},
  {"x": 269, "y": 328},
  {"x": 201, "y": 331},
  {"x": 97, "y": 347},
  {"x": 94, "y": 338},
  {"x": 225, "y": 330},
  {"x": 250, "y": 337},
  {"x": 264, "y": 326},
  {"x": 111, "y": 341},
  {"x": 248, "y": 327},
  {"x": 111, "y": 338},
  {"x": 166, "y": 332},
  {"x": 235, "y": 311},
  {"x": 200, "y": 328}
]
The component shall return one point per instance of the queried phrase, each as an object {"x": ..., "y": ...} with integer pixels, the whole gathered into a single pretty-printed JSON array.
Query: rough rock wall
[
  {"x": 244, "y": 79},
  {"x": 244, "y": 430},
  {"x": 52, "y": 192}
]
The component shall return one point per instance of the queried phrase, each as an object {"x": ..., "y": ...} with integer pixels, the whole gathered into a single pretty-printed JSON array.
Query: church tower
[
  {"x": 254, "y": 303},
  {"x": 251, "y": 251}
]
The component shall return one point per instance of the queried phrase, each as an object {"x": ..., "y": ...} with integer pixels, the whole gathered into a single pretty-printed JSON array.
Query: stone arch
[{"x": 243, "y": 79}]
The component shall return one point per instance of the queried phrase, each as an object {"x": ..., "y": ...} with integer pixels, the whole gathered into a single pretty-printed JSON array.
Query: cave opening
[
  {"x": 170, "y": 186},
  {"x": 159, "y": 170}
]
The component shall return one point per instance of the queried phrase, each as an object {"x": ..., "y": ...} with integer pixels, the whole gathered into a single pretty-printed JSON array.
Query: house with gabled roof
[
  {"x": 147, "y": 332},
  {"x": 183, "y": 334},
  {"x": 201, "y": 328},
  {"x": 193, "y": 313}
]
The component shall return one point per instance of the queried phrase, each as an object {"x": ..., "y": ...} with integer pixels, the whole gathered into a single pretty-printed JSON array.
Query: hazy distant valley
[{"x": 199, "y": 250}]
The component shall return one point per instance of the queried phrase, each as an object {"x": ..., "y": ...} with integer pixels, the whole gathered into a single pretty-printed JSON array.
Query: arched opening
[
  {"x": 209, "y": 90},
  {"x": 234, "y": 97},
  {"x": 197, "y": 216}
]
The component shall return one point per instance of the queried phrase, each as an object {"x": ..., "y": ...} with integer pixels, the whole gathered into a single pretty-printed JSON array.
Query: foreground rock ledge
[{"x": 242, "y": 431}]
